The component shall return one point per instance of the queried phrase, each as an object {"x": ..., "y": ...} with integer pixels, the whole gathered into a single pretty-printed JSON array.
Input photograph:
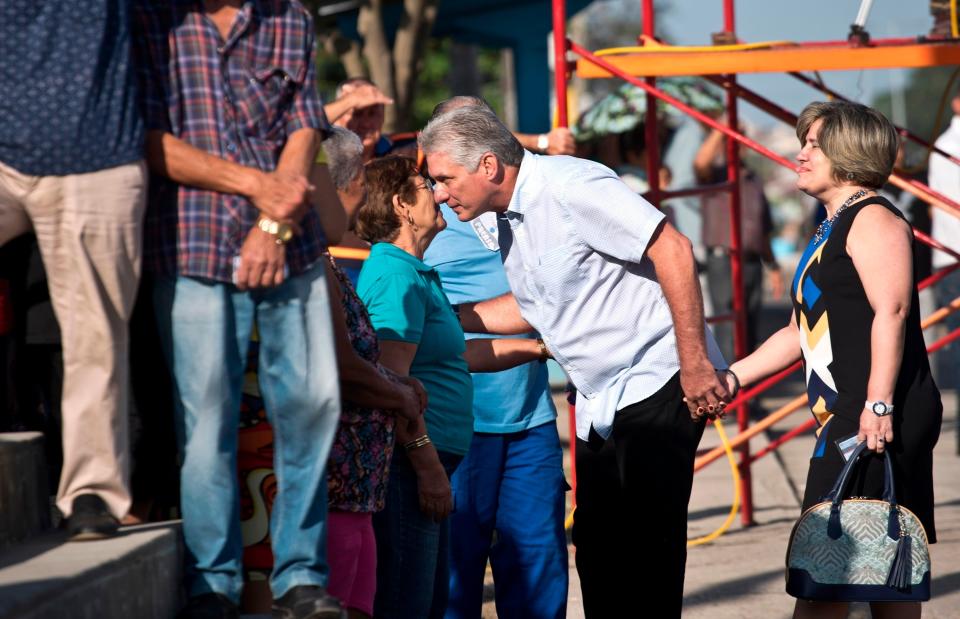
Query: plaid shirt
[{"x": 237, "y": 99}]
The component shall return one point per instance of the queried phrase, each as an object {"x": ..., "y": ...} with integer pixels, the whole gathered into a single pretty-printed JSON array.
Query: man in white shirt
[
  {"x": 945, "y": 178},
  {"x": 612, "y": 289}
]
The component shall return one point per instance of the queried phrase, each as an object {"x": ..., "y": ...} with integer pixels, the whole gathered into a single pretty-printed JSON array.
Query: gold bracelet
[
  {"x": 418, "y": 442},
  {"x": 544, "y": 353}
]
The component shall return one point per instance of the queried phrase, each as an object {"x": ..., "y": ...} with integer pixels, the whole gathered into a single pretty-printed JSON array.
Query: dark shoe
[
  {"x": 209, "y": 606},
  {"x": 307, "y": 602},
  {"x": 90, "y": 519}
]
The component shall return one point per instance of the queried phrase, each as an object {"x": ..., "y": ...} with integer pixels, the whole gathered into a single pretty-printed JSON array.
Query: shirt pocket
[
  {"x": 268, "y": 95},
  {"x": 557, "y": 276}
]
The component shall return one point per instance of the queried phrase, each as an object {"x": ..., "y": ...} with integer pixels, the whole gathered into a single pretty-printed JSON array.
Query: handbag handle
[{"x": 835, "y": 496}]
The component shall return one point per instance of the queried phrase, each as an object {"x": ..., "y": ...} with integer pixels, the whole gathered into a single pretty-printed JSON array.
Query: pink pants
[{"x": 352, "y": 555}]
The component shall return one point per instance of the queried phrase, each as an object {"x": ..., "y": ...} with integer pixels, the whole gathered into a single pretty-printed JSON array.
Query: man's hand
[
  {"x": 365, "y": 95},
  {"x": 560, "y": 142},
  {"x": 436, "y": 497},
  {"x": 282, "y": 196},
  {"x": 261, "y": 261},
  {"x": 704, "y": 393}
]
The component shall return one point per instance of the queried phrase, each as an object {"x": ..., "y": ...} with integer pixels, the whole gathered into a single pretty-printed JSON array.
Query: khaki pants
[{"x": 89, "y": 230}]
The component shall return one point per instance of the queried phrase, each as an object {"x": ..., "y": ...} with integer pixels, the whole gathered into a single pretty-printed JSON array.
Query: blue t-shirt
[
  {"x": 69, "y": 103},
  {"x": 407, "y": 304},
  {"x": 503, "y": 402}
]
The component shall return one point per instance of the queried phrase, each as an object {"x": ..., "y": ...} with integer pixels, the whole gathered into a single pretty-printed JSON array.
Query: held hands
[
  {"x": 875, "y": 430},
  {"x": 262, "y": 261},
  {"x": 282, "y": 196},
  {"x": 436, "y": 497},
  {"x": 415, "y": 398},
  {"x": 705, "y": 392}
]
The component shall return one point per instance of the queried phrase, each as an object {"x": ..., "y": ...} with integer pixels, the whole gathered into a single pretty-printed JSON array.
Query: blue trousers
[
  {"x": 511, "y": 485},
  {"x": 412, "y": 549},
  {"x": 205, "y": 330}
]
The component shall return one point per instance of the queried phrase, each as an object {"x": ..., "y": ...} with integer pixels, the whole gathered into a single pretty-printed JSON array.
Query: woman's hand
[
  {"x": 418, "y": 389},
  {"x": 436, "y": 497},
  {"x": 875, "y": 430},
  {"x": 410, "y": 409}
]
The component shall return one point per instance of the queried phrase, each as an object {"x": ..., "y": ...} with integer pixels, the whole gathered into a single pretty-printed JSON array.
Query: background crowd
[{"x": 167, "y": 293}]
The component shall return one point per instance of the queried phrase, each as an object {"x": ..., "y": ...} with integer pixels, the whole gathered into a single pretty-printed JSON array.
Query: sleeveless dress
[{"x": 835, "y": 320}]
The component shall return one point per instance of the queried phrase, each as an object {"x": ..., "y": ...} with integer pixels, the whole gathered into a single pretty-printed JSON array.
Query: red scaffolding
[{"x": 722, "y": 68}]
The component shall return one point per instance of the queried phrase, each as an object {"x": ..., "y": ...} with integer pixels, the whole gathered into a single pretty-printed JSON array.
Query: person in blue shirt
[
  {"x": 72, "y": 170},
  {"x": 511, "y": 478}
]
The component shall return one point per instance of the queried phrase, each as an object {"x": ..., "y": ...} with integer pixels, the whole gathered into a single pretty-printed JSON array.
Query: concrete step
[
  {"x": 24, "y": 502},
  {"x": 136, "y": 574}
]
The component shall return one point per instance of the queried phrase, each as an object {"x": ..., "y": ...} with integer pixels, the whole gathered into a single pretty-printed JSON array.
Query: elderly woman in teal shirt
[{"x": 420, "y": 336}]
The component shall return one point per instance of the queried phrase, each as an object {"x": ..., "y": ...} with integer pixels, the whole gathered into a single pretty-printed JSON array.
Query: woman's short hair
[
  {"x": 344, "y": 152},
  {"x": 386, "y": 177},
  {"x": 860, "y": 143}
]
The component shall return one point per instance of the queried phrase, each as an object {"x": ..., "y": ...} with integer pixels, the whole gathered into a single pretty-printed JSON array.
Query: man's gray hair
[
  {"x": 456, "y": 102},
  {"x": 344, "y": 152},
  {"x": 466, "y": 133}
]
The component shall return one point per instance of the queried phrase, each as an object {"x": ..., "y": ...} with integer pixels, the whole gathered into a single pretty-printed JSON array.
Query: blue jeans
[
  {"x": 205, "y": 329},
  {"x": 512, "y": 484},
  {"x": 412, "y": 550}
]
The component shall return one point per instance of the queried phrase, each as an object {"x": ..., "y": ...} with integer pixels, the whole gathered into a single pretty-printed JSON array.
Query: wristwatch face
[
  {"x": 880, "y": 409},
  {"x": 284, "y": 232}
]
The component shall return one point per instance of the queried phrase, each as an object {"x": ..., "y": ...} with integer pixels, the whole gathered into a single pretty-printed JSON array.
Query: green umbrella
[{"x": 626, "y": 107}]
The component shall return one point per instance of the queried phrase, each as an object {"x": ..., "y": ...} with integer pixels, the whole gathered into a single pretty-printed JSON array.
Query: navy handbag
[{"x": 859, "y": 549}]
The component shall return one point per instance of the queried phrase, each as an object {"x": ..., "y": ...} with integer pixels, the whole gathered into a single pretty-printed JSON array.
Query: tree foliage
[{"x": 923, "y": 93}]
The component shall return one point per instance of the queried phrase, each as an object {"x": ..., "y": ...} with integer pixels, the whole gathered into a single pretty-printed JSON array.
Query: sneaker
[
  {"x": 209, "y": 606},
  {"x": 90, "y": 519},
  {"x": 307, "y": 602}
]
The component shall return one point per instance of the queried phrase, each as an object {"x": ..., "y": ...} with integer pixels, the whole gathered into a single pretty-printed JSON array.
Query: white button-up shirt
[
  {"x": 944, "y": 177},
  {"x": 573, "y": 241}
]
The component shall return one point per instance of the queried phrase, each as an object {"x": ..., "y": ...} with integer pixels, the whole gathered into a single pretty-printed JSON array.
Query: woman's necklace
[{"x": 826, "y": 224}]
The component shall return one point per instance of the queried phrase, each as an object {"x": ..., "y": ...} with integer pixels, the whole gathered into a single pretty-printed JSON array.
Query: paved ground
[{"x": 741, "y": 574}]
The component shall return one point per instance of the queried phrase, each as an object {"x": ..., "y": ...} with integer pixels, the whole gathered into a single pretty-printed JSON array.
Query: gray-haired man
[{"x": 612, "y": 289}]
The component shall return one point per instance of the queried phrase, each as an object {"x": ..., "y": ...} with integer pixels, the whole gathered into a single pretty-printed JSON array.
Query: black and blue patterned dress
[{"x": 835, "y": 320}]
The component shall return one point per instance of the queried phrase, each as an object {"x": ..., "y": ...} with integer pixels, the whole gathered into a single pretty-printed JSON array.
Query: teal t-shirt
[{"x": 407, "y": 304}]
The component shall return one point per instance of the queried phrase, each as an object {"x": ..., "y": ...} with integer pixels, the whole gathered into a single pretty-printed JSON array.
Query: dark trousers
[
  {"x": 720, "y": 285},
  {"x": 630, "y": 525}
]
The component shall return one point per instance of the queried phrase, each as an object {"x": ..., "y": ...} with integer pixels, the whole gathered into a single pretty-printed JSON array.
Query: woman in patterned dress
[
  {"x": 857, "y": 316},
  {"x": 358, "y": 468}
]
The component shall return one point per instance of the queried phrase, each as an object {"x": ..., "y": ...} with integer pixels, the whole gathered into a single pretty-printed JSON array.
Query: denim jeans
[
  {"x": 413, "y": 551},
  {"x": 205, "y": 329}
]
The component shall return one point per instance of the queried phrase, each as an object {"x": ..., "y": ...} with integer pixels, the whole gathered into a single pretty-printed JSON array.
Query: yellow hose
[
  {"x": 651, "y": 45},
  {"x": 734, "y": 508}
]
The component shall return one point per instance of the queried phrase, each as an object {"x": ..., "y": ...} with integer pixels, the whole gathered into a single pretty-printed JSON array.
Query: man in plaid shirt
[{"x": 234, "y": 123}]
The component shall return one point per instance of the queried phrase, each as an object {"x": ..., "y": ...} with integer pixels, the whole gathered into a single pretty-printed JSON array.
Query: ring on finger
[{"x": 701, "y": 410}]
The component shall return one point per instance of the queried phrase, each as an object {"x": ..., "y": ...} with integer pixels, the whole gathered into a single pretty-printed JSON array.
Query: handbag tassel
[{"x": 901, "y": 572}]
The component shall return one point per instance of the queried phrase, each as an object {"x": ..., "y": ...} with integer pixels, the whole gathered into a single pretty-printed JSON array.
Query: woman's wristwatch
[{"x": 879, "y": 408}]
